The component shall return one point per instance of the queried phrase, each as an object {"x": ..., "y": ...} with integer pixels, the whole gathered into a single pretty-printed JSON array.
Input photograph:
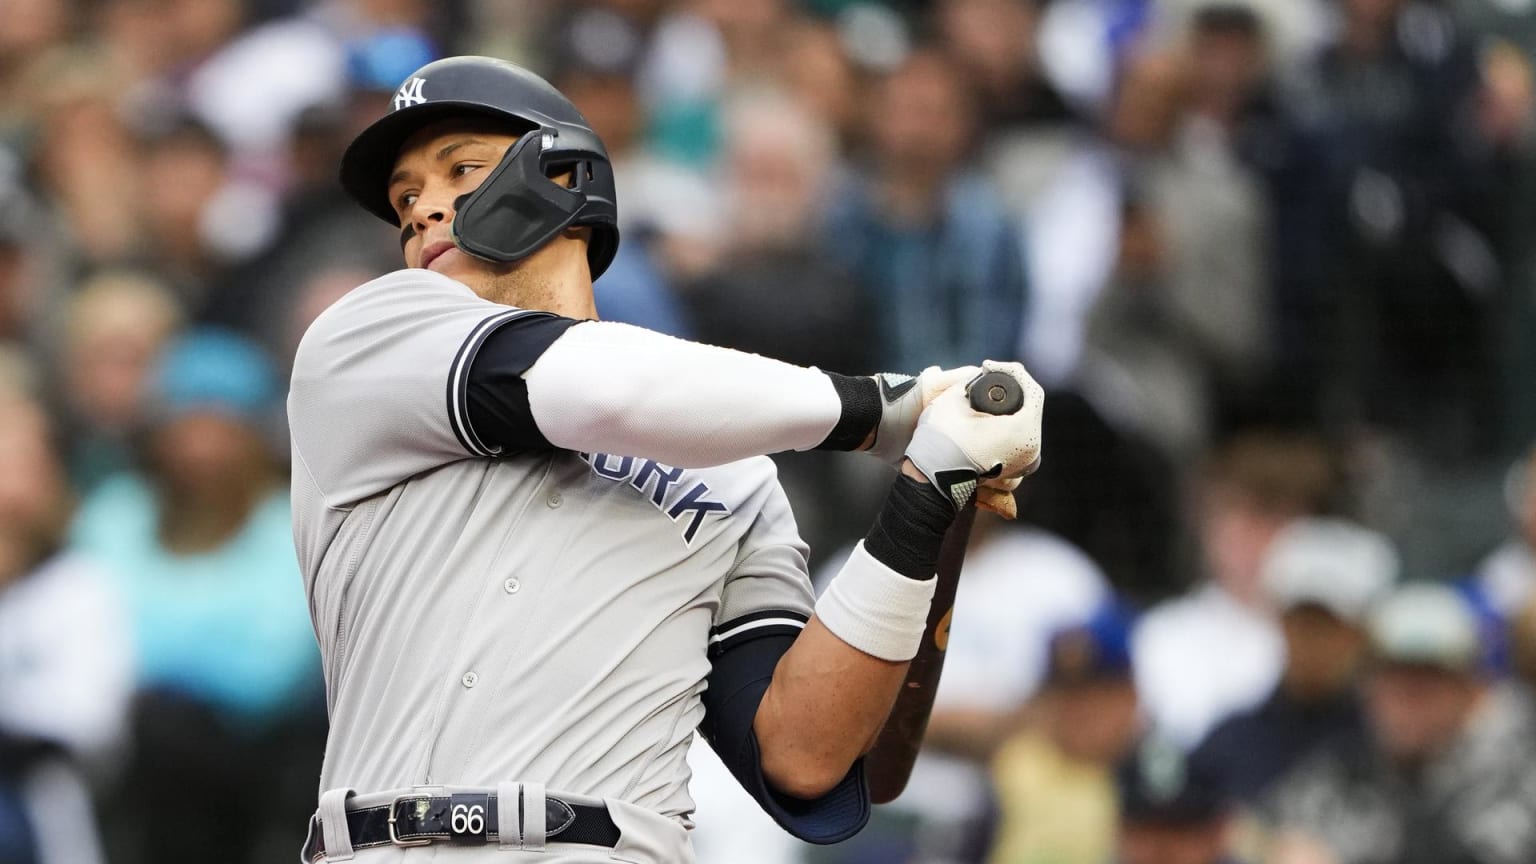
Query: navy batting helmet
[{"x": 518, "y": 208}]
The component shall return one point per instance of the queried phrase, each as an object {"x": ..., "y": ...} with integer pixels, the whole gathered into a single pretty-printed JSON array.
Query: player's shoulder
[
  {"x": 393, "y": 300},
  {"x": 401, "y": 287}
]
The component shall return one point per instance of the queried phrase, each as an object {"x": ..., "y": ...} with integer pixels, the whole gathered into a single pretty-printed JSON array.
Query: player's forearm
[
  {"x": 823, "y": 710},
  {"x": 613, "y": 388},
  {"x": 833, "y": 690}
]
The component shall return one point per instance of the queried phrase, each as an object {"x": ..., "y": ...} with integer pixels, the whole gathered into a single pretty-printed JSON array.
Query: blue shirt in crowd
[
  {"x": 949, "y": 293},
  {"x": 229, "y": 628}
]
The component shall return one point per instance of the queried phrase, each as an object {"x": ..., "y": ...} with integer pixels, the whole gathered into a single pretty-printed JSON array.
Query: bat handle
[{"x": 995, "y": 393}]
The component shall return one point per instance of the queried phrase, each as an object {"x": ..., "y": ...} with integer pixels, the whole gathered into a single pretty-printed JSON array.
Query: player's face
[
  {"x": 448, "y": 159},
  {"x": 436, "y": 166}
]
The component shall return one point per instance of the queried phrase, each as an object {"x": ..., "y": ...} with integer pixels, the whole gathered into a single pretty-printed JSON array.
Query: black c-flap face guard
[{"x": 519, "y": 208}]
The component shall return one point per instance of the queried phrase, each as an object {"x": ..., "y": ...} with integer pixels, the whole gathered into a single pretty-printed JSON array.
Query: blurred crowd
[{"x": 1269, "y": 601}]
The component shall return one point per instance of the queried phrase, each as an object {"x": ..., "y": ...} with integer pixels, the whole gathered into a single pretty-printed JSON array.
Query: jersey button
[
  {"x": 555, "y": 500},
  {"x": 512, "y": 585},
  {"x": 470, "y": 679}
]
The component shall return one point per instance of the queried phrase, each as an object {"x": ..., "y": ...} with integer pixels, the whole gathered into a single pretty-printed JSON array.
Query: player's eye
[
  {"x": 462, "y": 168},
  {"x": 405, "y": 200}
]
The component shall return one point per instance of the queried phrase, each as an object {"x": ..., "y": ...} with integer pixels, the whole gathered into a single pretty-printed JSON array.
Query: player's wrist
[
  {"x": 875, "y": 609},
  {"x": 860, "y": 416},
  {"x": 909, "y": 529}
]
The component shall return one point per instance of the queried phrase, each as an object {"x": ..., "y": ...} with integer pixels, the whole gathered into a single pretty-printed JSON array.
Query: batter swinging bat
[{"x": 890, "y": 761}]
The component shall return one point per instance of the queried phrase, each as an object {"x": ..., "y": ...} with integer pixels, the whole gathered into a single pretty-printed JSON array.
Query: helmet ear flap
[{"x": 517, "y": 209}]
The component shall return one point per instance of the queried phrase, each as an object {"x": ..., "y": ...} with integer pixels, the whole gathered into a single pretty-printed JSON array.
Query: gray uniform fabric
[{"x": 531, "y": 617}]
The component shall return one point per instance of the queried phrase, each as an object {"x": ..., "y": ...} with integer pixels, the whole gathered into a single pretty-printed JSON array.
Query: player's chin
[{"x": 462, "y": 267}]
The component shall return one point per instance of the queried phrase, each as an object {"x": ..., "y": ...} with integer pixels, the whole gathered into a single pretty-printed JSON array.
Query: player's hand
[
  {"x": 902, "y": 400},
  {"x": 996, "y": 495},
  {"x": 956, "y": 447}
]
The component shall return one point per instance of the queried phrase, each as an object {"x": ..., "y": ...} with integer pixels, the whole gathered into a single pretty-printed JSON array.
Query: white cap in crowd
[
  {"x": 1427, "y": 623},
  {"x": 1332, "y": 563}
]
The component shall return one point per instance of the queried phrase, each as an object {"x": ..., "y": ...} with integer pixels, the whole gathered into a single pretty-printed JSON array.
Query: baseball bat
[{"x": 889, "y": 763}]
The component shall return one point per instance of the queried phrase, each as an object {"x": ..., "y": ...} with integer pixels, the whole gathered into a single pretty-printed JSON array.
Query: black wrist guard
[{"x": 910, "y": 528}]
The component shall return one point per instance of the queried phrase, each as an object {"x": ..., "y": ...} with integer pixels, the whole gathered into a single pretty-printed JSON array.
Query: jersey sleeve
[
  {"x": 767, "y": 601},
  {"x": 379, "y": 391},
  {"x": 768, "y": 591}
]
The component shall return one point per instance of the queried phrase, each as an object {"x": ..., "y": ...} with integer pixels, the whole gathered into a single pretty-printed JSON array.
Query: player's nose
[{"x": 432, "y": 206}]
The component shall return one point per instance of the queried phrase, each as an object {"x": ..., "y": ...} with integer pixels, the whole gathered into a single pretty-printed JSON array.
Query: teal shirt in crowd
[{"x": 229, "y": 628}]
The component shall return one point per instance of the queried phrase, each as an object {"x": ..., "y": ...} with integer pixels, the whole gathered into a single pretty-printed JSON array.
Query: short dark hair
[
  {"x": 1233, "y": 19},
  {"x": 1280, "y": 470}
]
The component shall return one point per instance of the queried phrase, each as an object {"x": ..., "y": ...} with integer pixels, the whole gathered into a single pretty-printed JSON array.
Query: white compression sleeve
[{"x": 605, "y": 387}]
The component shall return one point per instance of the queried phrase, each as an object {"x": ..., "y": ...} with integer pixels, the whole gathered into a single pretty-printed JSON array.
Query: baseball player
[{"x": 542, "y": 550}]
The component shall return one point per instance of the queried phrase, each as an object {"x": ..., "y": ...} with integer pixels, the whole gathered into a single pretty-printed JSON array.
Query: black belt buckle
[
  {"x": 469, "y": 817},
  {"x": 394, "y": 832}
]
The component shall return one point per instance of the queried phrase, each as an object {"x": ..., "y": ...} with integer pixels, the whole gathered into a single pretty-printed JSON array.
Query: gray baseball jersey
[{"x": 535, "y": 616}]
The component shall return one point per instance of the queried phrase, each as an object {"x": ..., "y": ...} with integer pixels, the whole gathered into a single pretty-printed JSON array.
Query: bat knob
[{"x": 995, "y": 393}]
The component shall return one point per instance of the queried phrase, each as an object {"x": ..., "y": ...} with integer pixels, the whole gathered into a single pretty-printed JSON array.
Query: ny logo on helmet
[{"x": 410, "y": 93}]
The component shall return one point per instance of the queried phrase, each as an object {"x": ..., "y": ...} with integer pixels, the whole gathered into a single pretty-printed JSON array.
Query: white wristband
[{"x": 875, "y": 609}]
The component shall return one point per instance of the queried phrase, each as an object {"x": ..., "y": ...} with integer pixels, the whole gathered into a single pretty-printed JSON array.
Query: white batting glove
[
  {"x": 956, "y": 446},
  {"x": 902, "y": 400}
]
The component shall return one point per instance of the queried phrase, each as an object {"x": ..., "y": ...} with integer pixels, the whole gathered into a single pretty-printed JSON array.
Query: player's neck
[
  {"x": 556, "y": 279},
  {"x": 570, "y": 297}
]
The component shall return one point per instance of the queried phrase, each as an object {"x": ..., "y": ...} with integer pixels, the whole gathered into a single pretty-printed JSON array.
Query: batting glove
[
  {"x": 902, "y": 400},
  {"x": 956, "y": 447}
]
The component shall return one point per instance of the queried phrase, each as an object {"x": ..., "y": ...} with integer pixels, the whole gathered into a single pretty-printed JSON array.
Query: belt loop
[
  {"x": 333, "y": 824},
  {"x": 509, "y": 828},
  {"x": 533, "y": 817}
]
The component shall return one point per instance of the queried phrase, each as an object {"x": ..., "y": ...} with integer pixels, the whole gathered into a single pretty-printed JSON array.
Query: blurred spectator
[
  {"x": 300, "y": 63},
  {"x": 228, "y": 672},
  {"x": 1218, "y": 650},
  {"x": 1522, "y": 639},
  {"x": 774, "y": 292},
  {"x": 1171, "y": 812},
  {"x": 1113, "y": 495},
  {"x": 938, "y": 257},
  {"x": 84, "y": 160},
  {"x": 115, "y": 328},
  {"x": 199, "y": 225},
  {"x": 1021, "y": 587},
  {"x": 319, "y": 232},
  {"x": 821, "y": 78},
  {"x": 1054, "y": 173},
  {"x": 1186, "y": 318},
  {"x": 32, "y": 28},
  {"x": 16, "y": 304},
  {"x": 598, "y": 55},
  {"x": 1446, "y": 771},
  {"x": 1507, "y": 576},
  {"x": 1296, "y": 27},
  {"x": 993, "y": 41},
  {"x": 321, "y": 287},
  {"x": 65, "y": 654},
  {"x": 1323, "y": 576},
  {"x": 1055, "y": 778},
  {"x": 1387, "y": 271},
  {"x": 201, "y": 57}
]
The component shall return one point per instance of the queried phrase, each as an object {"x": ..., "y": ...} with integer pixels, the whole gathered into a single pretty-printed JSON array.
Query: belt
[{"x": 420, "y": 820}]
